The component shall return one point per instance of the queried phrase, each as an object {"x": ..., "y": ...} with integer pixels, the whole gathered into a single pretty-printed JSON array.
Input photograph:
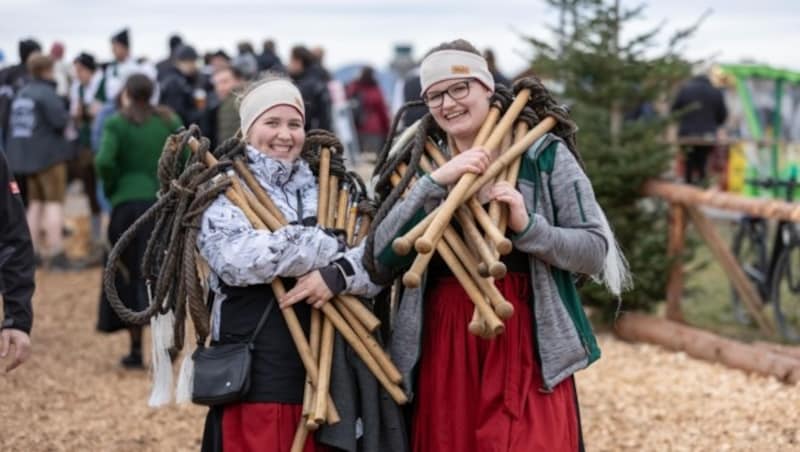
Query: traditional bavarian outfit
[{"x": 514, "y": 392}]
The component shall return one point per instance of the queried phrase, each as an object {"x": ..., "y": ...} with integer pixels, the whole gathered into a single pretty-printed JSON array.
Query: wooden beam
[
  {"x": 677, "y": 241},
  {"x": 749, "y": 294},
  {"x": 692, "y": 196},
  {"x": 707, "y": 346}
]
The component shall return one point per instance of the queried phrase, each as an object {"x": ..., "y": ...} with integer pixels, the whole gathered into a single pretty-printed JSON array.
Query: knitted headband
[
  {"x": 267, "y": 95},
  {"x": 453, "y": 64}
]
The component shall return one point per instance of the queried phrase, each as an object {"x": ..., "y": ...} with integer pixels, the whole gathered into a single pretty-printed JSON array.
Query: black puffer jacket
[{"x": 314, "y": 89}]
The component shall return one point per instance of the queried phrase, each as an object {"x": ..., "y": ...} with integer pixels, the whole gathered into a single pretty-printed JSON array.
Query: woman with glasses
[{"x": 514, "y": 392}]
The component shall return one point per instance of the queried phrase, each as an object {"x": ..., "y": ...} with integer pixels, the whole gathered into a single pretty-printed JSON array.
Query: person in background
[
  {"x": 181, "y": 84},
  {"x": 318, "y": 65},
  {"x": 304, "y": 71},
  {"x": 16, "y": 272},
  {"x": 499, "y": 78},
  {"x": 61, "y": 71},
  {"x": 163, "y": 66},
  {"x": 107, "y": 95},
  {"x": 127, "y": 165},
  {"x": 38, "y": 149},
  {"x": 369, "y": 111},
  {"x": 12, "y": 79},
  {"x": 222, "y": 115},
  {"x": 269, "y": 59},
  {"x": 246, "y": 60},
  {"x": 87, "y": 79},
  {"x": 705, "y": 112}
]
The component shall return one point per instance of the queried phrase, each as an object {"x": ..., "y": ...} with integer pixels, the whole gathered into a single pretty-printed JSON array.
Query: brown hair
[
  {"x": 458, "y": 44},
  {"x": 39, "y": 64},
  {"x": 139, "y": 89}
]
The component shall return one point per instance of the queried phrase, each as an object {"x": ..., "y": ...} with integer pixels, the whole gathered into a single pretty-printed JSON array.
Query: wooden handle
[
  {"x": 373, "y": 346},
  {"x": 488, "y": 124},
  {"x": 324, "y": 186},
  {"x": 512, "y": 173},
  {"x": 300, "y": 437},
  {"x": 292, "y": 323},
  {"x": 480, "y": 326},
  {"x": 516, "y": 150},
  {"x": 352, "y": 216},
  {"x": 325, "y": 362},
  {"x": 460, "y": 191},
  {"x": 333, "y": 193},
  {"x": 341, "y": 209},
  {"x": 495, "y": 268},
  {"x": 347, "y": 333},
  {"x": 490, "y": 264},
  {"x": 494, "y": 323},
  {"x": 493, "y": 234},
  {"x": 501, "y": 306},
  {"x": 363, "y": 228},
  {"x": 362, "y": 313}
]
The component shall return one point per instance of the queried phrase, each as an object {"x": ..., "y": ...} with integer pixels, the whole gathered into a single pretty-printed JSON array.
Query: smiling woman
[
  {"x": 243, "y": 261},
  {"x": 516, "y": 391}
]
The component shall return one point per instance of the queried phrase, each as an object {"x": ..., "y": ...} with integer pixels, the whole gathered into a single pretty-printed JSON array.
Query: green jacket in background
[{"x": 128, "y": 159}]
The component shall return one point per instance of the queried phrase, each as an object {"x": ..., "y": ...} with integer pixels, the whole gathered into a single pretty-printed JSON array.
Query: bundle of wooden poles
[
  {"x": 345, "y": 314},
  {"x": 474, "y": 255}
]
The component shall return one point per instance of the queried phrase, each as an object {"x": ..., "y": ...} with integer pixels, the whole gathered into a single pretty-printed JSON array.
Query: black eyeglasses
[{"x": 456, "y": 91}]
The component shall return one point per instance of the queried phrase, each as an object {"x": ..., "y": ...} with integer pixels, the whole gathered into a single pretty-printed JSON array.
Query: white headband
[
  {"x": 270, "y": 94},
  {"x": 452, "y": 64}
]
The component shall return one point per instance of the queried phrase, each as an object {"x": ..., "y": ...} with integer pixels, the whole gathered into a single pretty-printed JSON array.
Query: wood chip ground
[{"x": 73, "y": 396}]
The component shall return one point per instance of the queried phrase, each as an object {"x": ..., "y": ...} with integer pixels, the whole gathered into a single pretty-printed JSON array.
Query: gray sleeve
[
  {"x": 241, "y": 255},
  {"x": 54, "y": 111},
  {"x": 577, "y": 244},
  {"x": 402, "y": 217}
]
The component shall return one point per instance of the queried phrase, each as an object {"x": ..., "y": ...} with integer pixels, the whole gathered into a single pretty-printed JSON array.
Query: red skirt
[
  {"x": 252, "y": 427},
  {"x": 477, "y": 395}
]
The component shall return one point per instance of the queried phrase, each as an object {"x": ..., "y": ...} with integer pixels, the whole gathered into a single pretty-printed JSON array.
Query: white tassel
[
  {"x": 616, "y": 274},
  {"x": 183, "y": 390},
  {"x": 161, "y": 330}
]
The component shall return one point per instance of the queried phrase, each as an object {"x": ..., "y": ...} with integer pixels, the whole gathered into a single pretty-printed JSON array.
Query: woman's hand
[
  {"x": 518, "y": 217},
  {"x": 310, "y": 287},
  {"x": 475, "y": 160}
]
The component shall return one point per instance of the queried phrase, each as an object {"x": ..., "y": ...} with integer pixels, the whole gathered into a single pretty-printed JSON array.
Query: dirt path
[{"x": 73, "y": 396}]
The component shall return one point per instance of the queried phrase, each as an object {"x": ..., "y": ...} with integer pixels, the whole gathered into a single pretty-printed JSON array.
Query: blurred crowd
[{"x": 55, "y": 114}]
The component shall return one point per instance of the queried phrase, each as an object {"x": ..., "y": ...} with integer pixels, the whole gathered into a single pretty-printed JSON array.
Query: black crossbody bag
[{"x": 222, "y": 372}]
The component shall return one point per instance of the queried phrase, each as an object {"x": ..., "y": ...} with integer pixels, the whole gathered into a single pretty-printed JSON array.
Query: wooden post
[
  {"x": 677, "y": 241},
  {"x": 749, "y": 294}
]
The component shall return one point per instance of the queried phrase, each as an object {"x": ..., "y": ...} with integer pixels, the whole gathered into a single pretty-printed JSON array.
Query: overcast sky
[{"x": 767, "y": 31}]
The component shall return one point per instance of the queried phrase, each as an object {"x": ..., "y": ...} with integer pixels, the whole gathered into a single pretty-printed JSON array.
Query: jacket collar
[{"x": 272, "y": 171}]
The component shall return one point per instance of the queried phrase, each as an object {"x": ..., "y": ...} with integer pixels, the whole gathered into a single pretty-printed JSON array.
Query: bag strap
[{"x": 262, "y": 321}]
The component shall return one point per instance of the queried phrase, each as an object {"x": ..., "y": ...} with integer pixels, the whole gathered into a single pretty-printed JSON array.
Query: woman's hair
[
  {"x": 458, "y": 44},
  {"x": 139, "y": 89},
  {"x": 367, "y": 76},
  {"x": 302, "y": 54},
  {"x": 38, "y": 65},
  {"x": 540, "y": 105}
]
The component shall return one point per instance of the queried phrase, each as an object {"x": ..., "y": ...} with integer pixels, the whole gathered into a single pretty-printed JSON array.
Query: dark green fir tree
[{"x": 612, "y": 85}]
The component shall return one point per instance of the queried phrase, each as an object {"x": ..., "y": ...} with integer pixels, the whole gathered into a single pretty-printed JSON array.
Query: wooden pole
[
  {"x": 459, "y": 192},
  {"x": 677, "y": 239},
  {"x": 749, "y": 294},
  {"x": 475, "y": 184},
  {"x": 707, "y": 346}
]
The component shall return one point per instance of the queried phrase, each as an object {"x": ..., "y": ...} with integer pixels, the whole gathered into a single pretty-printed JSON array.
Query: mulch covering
[{"x": 74, "y": 396}]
